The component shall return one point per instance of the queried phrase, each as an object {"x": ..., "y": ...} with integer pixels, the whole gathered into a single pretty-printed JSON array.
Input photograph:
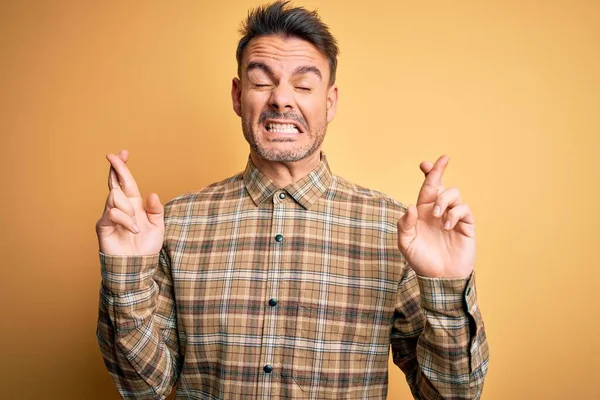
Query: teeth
[{"x": 282, "y": 128}]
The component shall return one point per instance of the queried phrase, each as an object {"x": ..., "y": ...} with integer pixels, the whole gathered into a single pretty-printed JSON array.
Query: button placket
[{"x": 271, "y": 337}]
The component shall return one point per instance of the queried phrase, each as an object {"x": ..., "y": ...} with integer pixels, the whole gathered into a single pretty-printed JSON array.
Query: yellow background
[{"x": 509, "y": 89}]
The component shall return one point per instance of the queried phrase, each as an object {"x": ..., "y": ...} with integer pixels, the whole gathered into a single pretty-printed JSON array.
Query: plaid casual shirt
[{"x": 263, "y": 292}]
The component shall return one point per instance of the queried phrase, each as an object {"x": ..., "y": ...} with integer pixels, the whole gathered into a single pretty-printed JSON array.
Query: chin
[{"x": 283, "y": 155}]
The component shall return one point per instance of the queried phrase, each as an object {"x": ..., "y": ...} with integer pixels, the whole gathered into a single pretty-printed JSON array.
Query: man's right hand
[{"x": 128, "y": 227}]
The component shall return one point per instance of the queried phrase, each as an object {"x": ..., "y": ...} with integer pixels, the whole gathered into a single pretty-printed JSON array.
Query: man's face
[{"x": 284, "y": 98}]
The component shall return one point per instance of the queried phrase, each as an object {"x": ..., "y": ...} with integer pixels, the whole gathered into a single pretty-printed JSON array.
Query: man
[{"x": 286, "y": 281}]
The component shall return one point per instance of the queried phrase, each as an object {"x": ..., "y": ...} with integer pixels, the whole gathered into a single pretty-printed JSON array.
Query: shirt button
[
  {"x": 268, "y": 368},
  {"x": 282, "y": 196},
  {"x": 273, "y": 302},
  {"x": 279, "y": 238}
]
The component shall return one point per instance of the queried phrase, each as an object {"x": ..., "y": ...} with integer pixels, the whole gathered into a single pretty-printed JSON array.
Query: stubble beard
[{"x": 284, "y": 155}]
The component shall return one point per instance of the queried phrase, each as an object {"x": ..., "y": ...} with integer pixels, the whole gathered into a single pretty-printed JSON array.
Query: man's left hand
[{"x": 437, "y": 237}]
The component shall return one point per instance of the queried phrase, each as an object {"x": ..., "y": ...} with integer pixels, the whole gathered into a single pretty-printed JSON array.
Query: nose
[{"x": 282, "y": 98}]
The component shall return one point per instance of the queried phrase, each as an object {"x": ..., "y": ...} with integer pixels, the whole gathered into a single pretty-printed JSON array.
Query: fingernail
[
  {"x": 437, "y": 211},
  {"x": 447, "y": 225},
  {"x": 136, "y": 228}
]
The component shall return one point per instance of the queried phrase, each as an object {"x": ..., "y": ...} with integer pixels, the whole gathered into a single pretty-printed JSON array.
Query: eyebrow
[
  {"x": 304, "y": 69},
  {"x": 259, "y": 65}
]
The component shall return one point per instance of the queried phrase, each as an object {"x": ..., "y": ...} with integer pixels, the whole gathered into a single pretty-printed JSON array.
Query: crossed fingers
[
  {"x": 122, "y": 186},
  {"x": 448, "y": 203}
]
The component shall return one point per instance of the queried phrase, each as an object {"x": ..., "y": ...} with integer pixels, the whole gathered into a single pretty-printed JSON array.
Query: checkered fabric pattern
[{"x": 299, "y": 292}]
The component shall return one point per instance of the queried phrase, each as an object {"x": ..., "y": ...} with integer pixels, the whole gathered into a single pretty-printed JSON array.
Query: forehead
[{"x": 282, "y": 53}]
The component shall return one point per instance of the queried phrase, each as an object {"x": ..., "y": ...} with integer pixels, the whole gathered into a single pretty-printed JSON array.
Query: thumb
[
  {"x": 407, "y": 228},
  {"x": 406, "y": 224},
  {"x": 154, "y": 209}
]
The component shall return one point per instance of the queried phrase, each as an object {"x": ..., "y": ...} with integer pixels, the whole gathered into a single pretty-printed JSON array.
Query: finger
[
  {"x": 459, "y": 214},
  {"x": 426, "y": 167},
  {"x": 125, "y": 179},
  {"x": 117, "y": 199},
  {"x": 154, "y": 209},
  {"x": 124, "y": 155},
  {"x": 114, "y": 217},
  {"x": 448, "y": 198},
  {"x": 113, "y": 181},
  {"x": 432, "y": 184}
]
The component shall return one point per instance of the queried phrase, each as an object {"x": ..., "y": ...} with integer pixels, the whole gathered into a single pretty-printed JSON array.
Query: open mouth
[{"x": 281, "y": 128}]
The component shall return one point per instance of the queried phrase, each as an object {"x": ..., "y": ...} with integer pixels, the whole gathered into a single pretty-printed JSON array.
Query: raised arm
[
  {"x": 137, "y": 325},
  {"x": 438, "y": 338}
]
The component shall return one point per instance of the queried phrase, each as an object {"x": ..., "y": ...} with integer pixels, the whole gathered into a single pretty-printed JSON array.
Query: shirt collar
[{"x": 305, "y": 191}]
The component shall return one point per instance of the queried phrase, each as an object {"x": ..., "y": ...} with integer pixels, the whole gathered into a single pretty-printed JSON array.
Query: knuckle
[
  {"x": 452, "y": 194},
  {"x": 123, "y": 203},
  {"x": 454, "y": 191},
  {"x": 456, "y": 212},
  {"x": 127, "y": 208},
  {"x": 124, "y": 211},
  {"x": 113, "y": 214},
  {"x": 442, "y": 199}
]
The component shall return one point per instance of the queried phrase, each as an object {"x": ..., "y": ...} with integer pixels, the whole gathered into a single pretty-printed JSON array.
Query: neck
[{"x": 283, "y": 174}]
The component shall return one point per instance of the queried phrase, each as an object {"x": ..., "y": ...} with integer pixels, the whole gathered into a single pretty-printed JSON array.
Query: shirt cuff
[
  {"x": 127, "y": 274},
  {"x": 447, "y": 295}
]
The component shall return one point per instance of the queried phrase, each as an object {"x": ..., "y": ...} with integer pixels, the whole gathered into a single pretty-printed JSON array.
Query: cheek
[
  {"x": 313, "y": 110},
  {"x": 253, "y": 102}
]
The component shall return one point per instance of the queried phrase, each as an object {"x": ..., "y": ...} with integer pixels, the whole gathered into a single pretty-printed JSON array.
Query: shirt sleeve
[
  {"x": 137, "y": 325},
  {"x": 438, "y": 337}
]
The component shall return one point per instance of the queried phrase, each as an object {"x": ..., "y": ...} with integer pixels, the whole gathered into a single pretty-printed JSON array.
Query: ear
[
  {"x": 236, "y": 96},
  {"x": 332, "y": 99}
]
